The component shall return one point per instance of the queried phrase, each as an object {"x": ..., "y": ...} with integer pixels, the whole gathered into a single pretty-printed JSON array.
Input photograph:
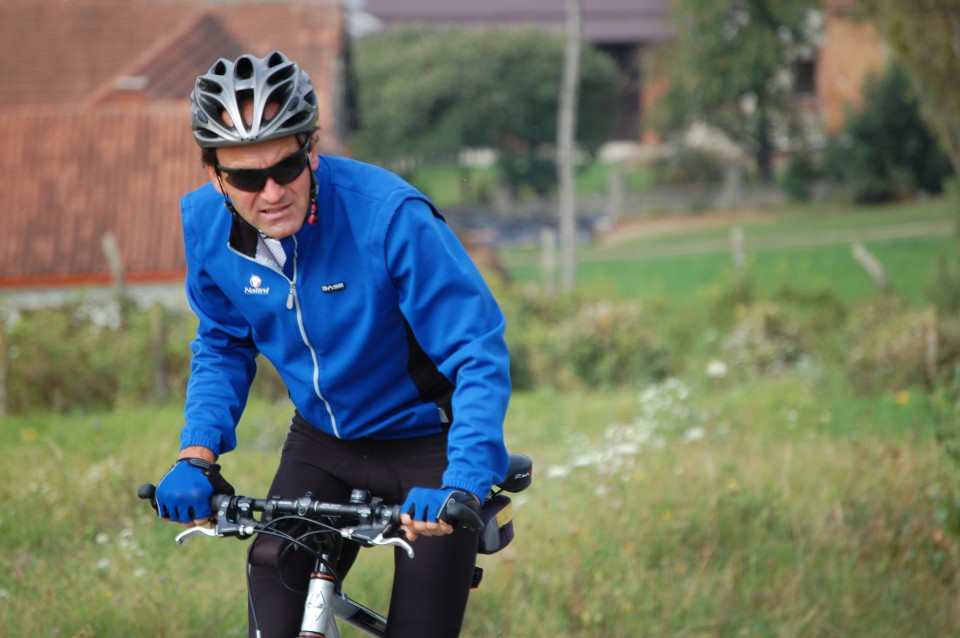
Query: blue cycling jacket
[{"x": 381, "y": 327}]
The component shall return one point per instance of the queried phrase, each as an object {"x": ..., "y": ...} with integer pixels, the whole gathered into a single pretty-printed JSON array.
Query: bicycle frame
[{"x": 324, "y": 604}]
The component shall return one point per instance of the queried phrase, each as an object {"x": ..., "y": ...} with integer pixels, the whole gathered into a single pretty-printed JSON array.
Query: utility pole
[{"x": 566, "y": 140}]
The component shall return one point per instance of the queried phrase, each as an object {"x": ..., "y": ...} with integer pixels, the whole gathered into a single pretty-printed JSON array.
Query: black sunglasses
[{"x": 283, "y": 172}]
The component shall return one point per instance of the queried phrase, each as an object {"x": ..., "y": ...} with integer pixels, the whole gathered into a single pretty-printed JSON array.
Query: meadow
[
  {"x": 692, "y": 257},
  {"x": 715, "y": 503}
]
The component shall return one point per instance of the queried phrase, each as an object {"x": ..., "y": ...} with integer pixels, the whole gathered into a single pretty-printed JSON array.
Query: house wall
[{"x": 852, "y": 50}]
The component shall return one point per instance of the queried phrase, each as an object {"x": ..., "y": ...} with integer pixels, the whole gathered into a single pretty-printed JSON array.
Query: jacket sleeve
[
  {"x": 224, "y": 357},
  {"x": 457, "y": 321}
]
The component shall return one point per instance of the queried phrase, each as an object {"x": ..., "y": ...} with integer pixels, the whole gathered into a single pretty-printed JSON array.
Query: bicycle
[{"x": 365, "y": 520}]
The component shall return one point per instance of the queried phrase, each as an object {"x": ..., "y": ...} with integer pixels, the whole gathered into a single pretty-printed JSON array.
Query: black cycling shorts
[{"x": 429, "y": 595}]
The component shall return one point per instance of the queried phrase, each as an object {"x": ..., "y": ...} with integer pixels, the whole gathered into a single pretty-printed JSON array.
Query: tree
[
  {"x": 429, "y": 93},
  {"x": 886, "y": 151},
  {"x": 566, "y": 137},
  {"x": 729, "y": 66},
  {"x": 925, "y": 37}
]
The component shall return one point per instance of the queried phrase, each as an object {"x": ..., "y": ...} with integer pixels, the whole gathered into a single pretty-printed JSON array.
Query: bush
[
  {"x": 688, "y": 166},
  {"x": 886, "y": 151},
  {"x": 799, "y": 177},
  {"x": 887, "y": 345},
  {"x": 87, "y": 356},
  {"x": 570, "y": 342},
  {"x": 764, "y": 340},
  {"x": 944, "y": 289}
]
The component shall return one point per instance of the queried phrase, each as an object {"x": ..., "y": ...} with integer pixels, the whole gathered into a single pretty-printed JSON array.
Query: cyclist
[{"x": 390, "y": 344}]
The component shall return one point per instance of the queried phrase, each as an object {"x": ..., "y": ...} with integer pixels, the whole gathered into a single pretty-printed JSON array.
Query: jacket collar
[{"x": 243, "y": 237}]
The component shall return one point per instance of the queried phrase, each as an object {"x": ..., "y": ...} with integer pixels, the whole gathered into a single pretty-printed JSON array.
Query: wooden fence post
[
  {"x": 872, "y": 265},
  {"x": 932, "y": 343},
  {"x": 158, "y": 352},
  {"x": 616, "y": 195},
  {"x": 4, "y": 369},
  {"x": 548, "y": 259},
  {"x": 112, "y": 252},
  {"x": 738, "y": 254}
]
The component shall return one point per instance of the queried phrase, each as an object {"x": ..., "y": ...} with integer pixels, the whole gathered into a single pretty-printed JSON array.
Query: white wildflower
[
  {"x": 558, "y": 471},
  {"x": 717, "y": 369}
]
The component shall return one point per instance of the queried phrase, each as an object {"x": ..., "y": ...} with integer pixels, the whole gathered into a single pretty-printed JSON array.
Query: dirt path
[
  {"x": 674, "y": 243},
  {"x": 637, "y": 228}
]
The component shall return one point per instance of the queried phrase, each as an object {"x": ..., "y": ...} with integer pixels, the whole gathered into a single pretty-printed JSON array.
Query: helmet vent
[
  {"x": 280, "y": 75},
  {"x": 243, "y": 69},
  {"x": 298, "y": 119},
  {"x": 208, "y": 86}
]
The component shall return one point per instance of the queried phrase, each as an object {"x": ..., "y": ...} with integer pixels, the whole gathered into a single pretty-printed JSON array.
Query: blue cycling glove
[
  {"x": 427, "y": 504},
  {"x": 183, "y": 494}
]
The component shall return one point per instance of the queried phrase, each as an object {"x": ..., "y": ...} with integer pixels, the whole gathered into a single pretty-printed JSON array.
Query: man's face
[{"x": 276, "y": 210}]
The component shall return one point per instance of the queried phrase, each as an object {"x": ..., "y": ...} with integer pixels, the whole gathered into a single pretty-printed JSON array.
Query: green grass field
[
  {"x": 779, "y": 509},
  {"x": 788, "y": 505},
  {"x": 681, "y": 265}
]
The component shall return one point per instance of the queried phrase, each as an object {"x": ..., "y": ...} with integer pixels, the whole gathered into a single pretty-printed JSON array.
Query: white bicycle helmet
[{"x": 227, "y": 84}]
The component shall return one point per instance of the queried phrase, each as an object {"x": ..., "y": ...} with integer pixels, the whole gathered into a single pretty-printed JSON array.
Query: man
[{"x": 391, "y": 346}]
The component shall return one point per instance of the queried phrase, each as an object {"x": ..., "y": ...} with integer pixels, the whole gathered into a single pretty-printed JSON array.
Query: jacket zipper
[{"x": 293, "y": 302}]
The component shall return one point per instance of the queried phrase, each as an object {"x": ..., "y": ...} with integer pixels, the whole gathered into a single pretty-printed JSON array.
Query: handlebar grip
[
  {"x": 464, "y": 516},
  {"x": 147, "y": 491}
]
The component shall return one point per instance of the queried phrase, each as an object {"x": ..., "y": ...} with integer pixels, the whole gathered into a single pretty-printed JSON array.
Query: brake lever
[
  {"x": 205, "y": 531},
  {"x": 362, "y": 535}
]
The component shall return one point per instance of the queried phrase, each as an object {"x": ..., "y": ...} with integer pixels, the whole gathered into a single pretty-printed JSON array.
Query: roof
[
  {"x": 84, "y": 51},
  {"x": 605, "y": 21},
  {"x": 79, "y": 189},
  {"x": 95, "y": 122}
]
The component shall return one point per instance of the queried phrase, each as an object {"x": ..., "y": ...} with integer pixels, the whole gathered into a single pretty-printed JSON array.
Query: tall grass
[{"x": 778, "y": 509}]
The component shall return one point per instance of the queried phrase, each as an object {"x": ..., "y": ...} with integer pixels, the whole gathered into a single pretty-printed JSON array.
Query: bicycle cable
[{"x": 293, "y": 542}]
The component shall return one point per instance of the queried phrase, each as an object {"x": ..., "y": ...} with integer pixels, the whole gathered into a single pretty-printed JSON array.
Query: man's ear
[
  {"x": 214, "y": 178},
  {"x": 314, "y": 153}
]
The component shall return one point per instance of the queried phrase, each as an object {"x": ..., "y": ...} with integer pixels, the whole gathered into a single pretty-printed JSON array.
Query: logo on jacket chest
[
  {"x": 337, "y": 287},
  {"x": 254, "y": 287}
]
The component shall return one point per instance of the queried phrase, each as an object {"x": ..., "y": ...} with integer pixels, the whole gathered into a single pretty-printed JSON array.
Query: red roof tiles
[{"x": 95, "y": 123}]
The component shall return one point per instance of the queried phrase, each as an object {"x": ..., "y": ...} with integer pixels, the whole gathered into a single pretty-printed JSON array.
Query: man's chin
[{"x": 280, "y": 228}]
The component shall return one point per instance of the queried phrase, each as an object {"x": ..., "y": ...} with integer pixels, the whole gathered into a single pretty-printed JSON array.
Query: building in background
[
  {"x": 94, "y": 116},
  {"x": 93, "y": 105}
]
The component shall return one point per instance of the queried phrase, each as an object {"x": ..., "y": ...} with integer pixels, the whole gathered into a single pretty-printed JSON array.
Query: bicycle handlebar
[{"x": 235, "y": 514}]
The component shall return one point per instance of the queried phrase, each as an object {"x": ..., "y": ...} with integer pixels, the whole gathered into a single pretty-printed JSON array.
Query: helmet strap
[
  {"x": 302, "y": 139},
  {"x": 227, "y": 203},
  {"x": 314, "y": 193}
]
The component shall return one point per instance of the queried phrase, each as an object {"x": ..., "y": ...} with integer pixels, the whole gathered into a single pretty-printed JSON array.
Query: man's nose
[{"x": 272, "y": 190}]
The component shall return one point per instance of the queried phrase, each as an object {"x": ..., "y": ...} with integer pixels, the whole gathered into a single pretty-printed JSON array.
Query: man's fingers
[{"x": 413, "y": 528}]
